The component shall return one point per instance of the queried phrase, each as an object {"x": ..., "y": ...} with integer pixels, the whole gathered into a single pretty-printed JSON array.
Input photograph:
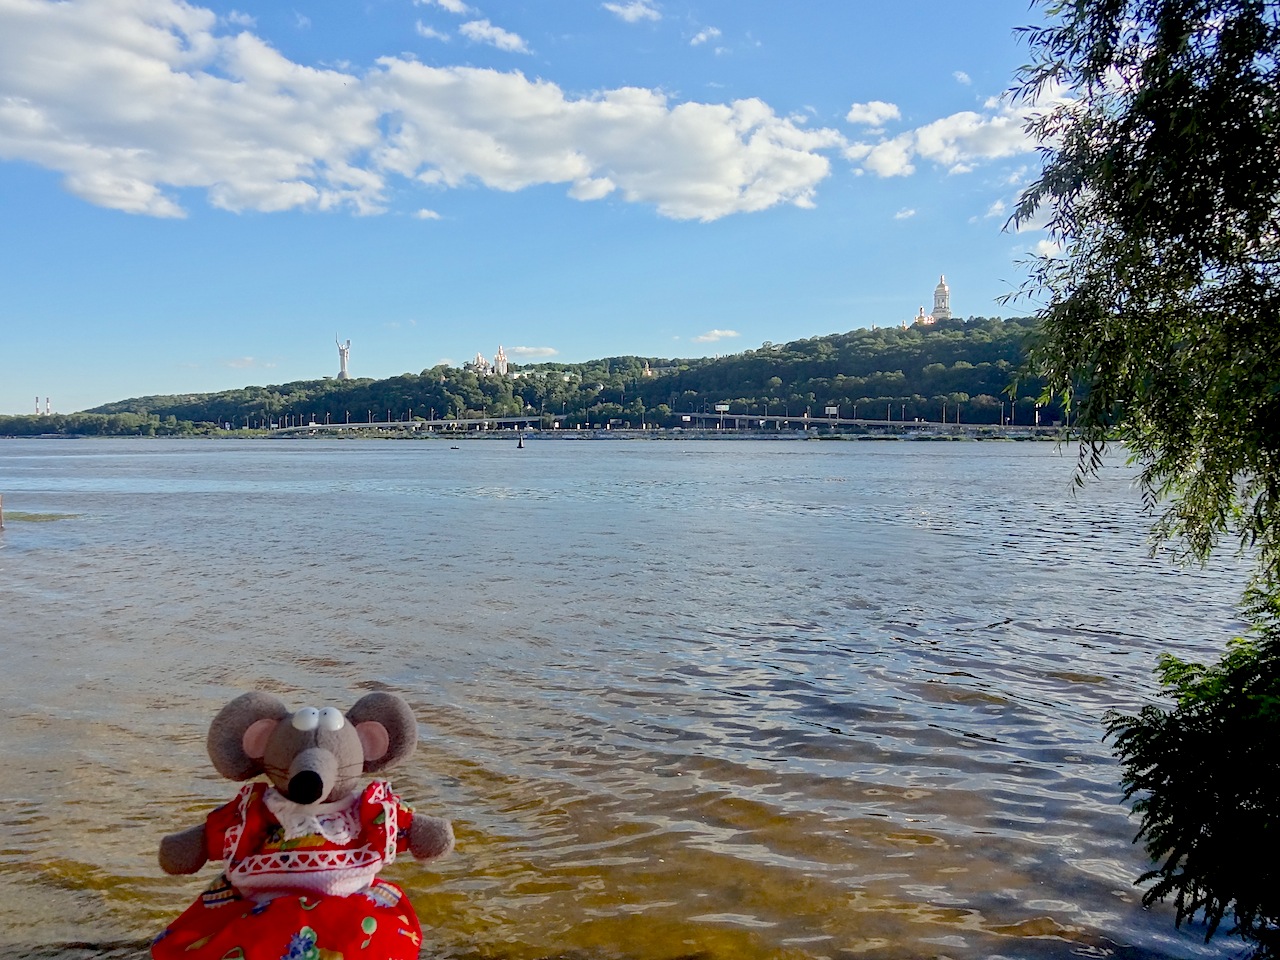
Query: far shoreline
[{"x": 949, "y": 434}]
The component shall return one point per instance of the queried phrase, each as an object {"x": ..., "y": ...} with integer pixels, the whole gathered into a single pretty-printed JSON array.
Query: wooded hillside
[{"x": 954, "y": 369}]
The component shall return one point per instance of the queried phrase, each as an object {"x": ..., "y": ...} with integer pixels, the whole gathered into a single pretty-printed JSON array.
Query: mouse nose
[{"x": 306, "y": 787}]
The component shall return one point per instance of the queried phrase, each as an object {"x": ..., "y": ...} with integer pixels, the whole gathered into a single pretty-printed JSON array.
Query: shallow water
[{"x": 721, "y": 699}]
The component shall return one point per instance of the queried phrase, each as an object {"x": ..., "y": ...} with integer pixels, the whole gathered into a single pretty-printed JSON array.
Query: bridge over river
[{"x": 702, "y": 423}]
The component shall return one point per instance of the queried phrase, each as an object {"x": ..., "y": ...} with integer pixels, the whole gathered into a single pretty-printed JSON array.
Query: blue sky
[{"x": 200, "y": 196}]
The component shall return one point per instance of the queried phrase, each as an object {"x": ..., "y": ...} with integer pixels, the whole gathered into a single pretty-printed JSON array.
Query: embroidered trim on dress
[{"x": 337, "y": 822}]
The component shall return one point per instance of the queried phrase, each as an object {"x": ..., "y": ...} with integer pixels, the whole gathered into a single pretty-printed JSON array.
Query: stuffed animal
[{"x": 300, "y": 854}]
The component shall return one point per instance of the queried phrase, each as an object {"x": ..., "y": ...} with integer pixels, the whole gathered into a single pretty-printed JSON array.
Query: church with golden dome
[{"x": 941, "y": 305}]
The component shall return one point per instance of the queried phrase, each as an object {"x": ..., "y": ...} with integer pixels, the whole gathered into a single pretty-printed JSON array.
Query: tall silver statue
[{"x": 344, "y": 354}]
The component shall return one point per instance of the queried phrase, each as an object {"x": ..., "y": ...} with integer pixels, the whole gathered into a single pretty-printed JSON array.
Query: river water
[{"x": 717, "y": 699}]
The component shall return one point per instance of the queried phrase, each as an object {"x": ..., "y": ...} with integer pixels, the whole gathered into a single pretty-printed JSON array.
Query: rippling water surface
[{"x": 738, "y": 699}]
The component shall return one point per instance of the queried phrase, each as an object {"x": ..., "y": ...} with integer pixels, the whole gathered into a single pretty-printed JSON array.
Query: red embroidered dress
[{"x": 299, "y": 882}]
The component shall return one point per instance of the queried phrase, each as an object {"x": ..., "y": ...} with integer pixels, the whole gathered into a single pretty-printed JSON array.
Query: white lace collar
[{"x": 337, "y": 821}]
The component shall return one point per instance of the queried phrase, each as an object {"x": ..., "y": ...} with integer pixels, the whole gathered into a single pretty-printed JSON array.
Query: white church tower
[{"x": 942, "y": 300}]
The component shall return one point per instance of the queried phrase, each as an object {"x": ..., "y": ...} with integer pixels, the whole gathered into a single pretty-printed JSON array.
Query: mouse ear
[
  {"x": 396, "y": 719},
  {"x": 236, "y": 731}
]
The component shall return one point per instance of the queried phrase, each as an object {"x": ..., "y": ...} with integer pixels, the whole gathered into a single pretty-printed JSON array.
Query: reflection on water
[{"x": 728, "y": 700}]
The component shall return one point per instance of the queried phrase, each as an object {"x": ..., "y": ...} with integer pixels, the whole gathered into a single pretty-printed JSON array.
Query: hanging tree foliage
[
  {"x": 1161, "y": 186},
  {"x": 1161, "y": 183}
]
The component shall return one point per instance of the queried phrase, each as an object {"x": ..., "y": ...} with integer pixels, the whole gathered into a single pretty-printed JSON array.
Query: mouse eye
[
  {"x": 331, "y": 719},
  {"x": 308, "y": 718}
]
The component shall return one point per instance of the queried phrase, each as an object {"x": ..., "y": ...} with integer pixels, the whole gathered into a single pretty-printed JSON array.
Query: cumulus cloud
[
  {"x": 693, "y": 160},
  {"x": 142, "y": 109},
  {"x": 962, "y": 77},
  {"x": 702, "y": 36},
  {"x": 956, "y": 143},
  {"x": 905, "y": 214},
  {"x": 453, "y": 6},
  {"x": 482, "y": 31},
  {"x": 425, "y": 214},
  {"x": 635, "y": 11},
  {"x": 711, "y": 336},
  {"x": 888, "y": 158},
  {"x": 874, "y": 113},
  {"x": 431, "y": 33},
  {"x": 534, "y": 351}
]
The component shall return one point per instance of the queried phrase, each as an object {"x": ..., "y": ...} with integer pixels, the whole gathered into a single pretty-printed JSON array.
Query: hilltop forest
[{"x": 953, "y": 370}]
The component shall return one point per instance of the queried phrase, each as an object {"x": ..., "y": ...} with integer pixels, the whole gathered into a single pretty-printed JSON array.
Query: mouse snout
[{"x": 311, "y": 776}]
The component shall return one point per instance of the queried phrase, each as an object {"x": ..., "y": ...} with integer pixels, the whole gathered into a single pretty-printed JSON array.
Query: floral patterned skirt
[{"x": 377, "y": 924}]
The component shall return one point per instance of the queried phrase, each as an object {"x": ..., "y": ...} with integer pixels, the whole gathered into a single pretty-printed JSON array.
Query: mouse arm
[
  {"x": 430, "y": 837},
  {"x": 183, "y": 852}
]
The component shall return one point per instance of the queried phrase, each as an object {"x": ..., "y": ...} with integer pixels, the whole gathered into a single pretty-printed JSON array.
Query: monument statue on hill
[{"x": 344, "y": 354}]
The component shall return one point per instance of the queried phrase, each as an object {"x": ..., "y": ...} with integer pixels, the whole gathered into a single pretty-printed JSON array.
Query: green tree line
[
  {"x": 101, "y": 425},
  {"x": 953, "y": 370}
]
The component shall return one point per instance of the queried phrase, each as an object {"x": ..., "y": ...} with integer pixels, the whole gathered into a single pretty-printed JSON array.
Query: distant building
[
  {"x": 657, "y": 371},
  {"x": 941, "y": 306},
  {"x": 942, "y": 300},
  {"x": 481, "y": 366}
]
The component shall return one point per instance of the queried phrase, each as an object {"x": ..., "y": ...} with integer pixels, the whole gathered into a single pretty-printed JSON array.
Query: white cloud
[
  {"x": 453, "y": 6},
  {"x": 431, "y": 33},
  {"x": 482, "y": 31},
  {"x": 236, "y": 18},
  {"x": 301, "y": 21},
  {"x": 635, "y": 11},
  {"x": 592, "y": 188},
  {"x": 1039, "y": 220},
  {"x": 1048, "y": 248},
  {"x": 1017, "y": 177},
  {"x": 889, "y": 158},
  {"x": 997, "y": 209},
  {"x": 710, "y": 33},
  {"x": 956, "y": 143},
  {"x": 534, "y": 352},
  {"x": 962, "y": 77},
  {"x": 873, "y": 113},
  {"x": 141, "y": 110},
  {"x": 956, "y": 140},
  {"x": 693, "y": 160},
  {"x": 425, "y": 214},
  {"x": 905, "y": 214},
  {"x": 711, "y": 336}
]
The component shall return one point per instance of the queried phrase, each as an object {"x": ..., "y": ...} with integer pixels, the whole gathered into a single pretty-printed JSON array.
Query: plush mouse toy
[{"x": 300, "y": 854}]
